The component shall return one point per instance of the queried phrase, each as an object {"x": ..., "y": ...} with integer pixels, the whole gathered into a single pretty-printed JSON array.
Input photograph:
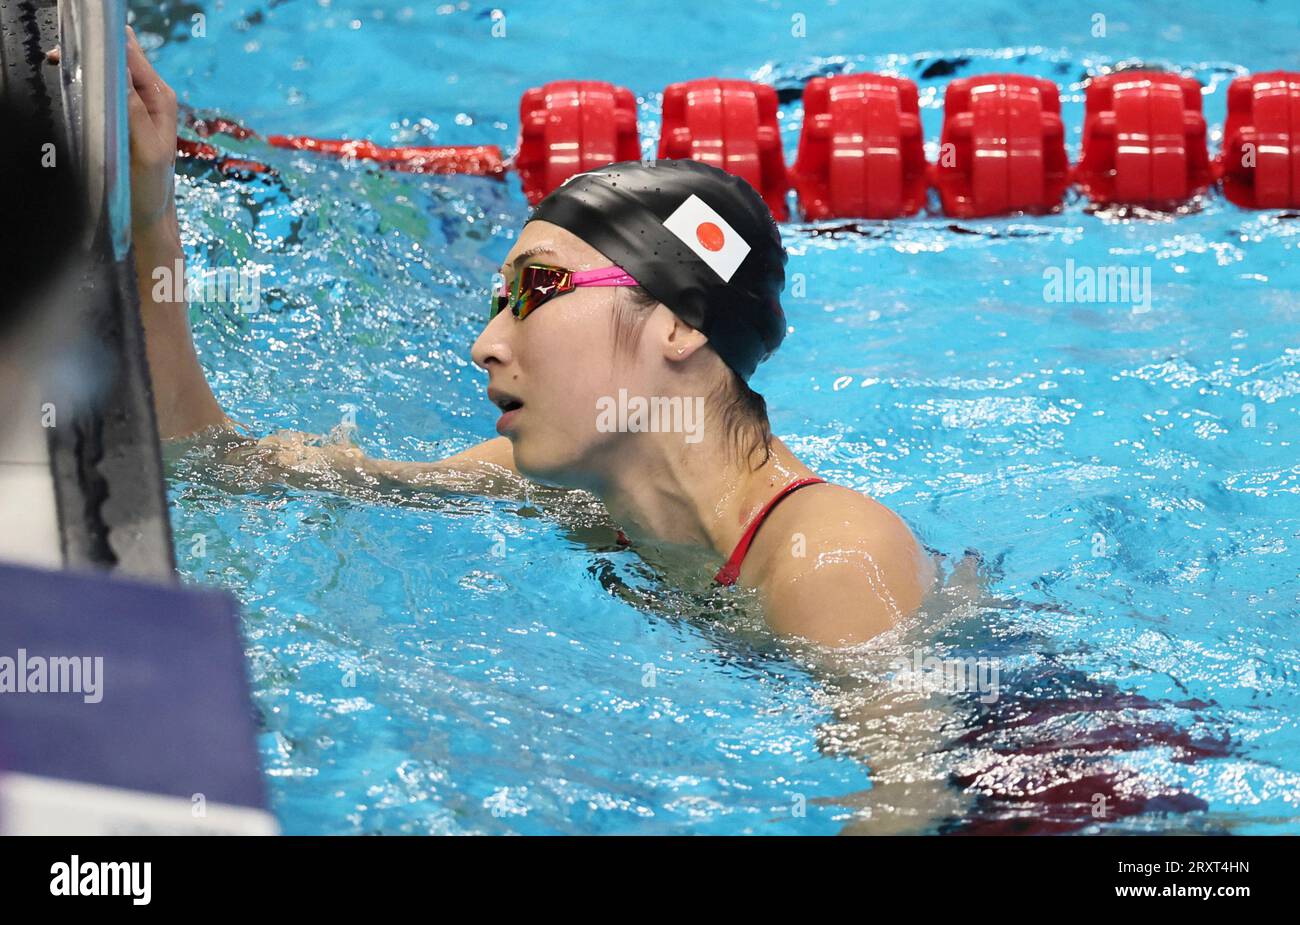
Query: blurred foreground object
[{"x": 80, "y": 471}]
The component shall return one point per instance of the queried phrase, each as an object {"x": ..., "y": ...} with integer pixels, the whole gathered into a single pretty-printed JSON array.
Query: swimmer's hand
[
  {"x": 311, "y": 454},
  {"x": 151, "y": 106},
  {"x": 311, "y": 461}
]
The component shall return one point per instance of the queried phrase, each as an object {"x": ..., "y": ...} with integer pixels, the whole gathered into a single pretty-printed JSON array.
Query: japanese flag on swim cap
[{"x": 698, "y": 239}]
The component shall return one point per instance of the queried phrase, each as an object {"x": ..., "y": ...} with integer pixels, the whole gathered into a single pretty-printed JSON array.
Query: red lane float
[
  {"x": 231, "y": 166},
  {"x": 198, "y": 150},
  {"x": 1260, "y": 160},
  {"x": 1003, "y": 147},
  {"x": 479, "y": 160},
  {"x": 206, "y": 127},
  {"x": 861, "y": 151},
  {"x": 568, "y": 126},
  {"x": 730, "y": 124},
  {"x": 1143, "y": 140}
]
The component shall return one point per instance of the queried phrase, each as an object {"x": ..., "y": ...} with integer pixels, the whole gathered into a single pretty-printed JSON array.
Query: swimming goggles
[{"x": 537, "y": 284}]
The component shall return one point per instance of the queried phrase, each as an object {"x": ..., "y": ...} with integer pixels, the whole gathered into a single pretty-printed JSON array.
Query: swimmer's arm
[
  {"x": 487, "y": 468},
  {"x": 495, "y": 456},
  {"x": 849, "y": 585},
  {"x": 184, "y": 404},
  {"x": 183, "y": 401},
  {"x": 334, "y": 463}
]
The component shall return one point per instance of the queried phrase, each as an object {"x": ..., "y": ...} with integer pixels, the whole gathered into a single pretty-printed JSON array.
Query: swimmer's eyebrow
[{"x": 531, "y": 252}]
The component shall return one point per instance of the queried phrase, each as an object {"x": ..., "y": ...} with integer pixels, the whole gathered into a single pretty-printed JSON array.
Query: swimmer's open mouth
[
  {"x": 503, "y": 401},
  {"x": 509, "y": 406}
]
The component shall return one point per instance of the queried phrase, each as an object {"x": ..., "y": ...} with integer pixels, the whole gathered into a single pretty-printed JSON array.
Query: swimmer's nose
[{"x": 493, "y": 345}]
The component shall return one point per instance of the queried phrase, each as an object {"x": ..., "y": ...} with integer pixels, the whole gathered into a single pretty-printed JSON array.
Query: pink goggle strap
[{"x": 605, "y": 276}]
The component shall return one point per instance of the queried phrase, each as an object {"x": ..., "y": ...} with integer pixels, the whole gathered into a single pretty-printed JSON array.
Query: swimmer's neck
[{"x": 693, "y": 495}]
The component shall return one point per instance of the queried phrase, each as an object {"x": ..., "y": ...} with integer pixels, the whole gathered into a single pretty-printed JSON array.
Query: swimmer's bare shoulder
[{"x": 836, "y": 566}]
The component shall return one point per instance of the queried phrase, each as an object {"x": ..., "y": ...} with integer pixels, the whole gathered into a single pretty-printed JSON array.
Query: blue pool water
[{"x": 1129, "y": 478}]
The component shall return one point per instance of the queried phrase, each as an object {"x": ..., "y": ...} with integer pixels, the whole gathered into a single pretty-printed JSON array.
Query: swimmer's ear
[{"x": 682, "y": 341}]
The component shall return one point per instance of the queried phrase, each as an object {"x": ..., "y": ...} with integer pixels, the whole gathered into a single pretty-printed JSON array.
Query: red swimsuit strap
[{"x": 731, "y": 570}]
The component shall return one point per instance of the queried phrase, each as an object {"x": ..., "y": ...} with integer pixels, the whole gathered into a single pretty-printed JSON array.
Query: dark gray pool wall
[{"x": 79, "y": 459}]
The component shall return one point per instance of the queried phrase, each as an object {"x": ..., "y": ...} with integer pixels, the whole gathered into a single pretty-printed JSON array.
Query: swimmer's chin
[
  {"x": 552, "y": 475},
  {"x": 568, "y": 474}
]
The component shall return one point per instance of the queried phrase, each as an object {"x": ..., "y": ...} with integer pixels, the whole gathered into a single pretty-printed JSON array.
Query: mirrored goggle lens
[{"x": 534, "y": 286}]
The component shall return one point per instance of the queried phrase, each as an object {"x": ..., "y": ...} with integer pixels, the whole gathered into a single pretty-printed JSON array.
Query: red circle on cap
[{"x": 710, "y": 235}]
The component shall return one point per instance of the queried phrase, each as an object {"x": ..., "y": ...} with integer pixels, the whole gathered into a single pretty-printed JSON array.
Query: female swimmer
[{"x": 630, "y": 314}]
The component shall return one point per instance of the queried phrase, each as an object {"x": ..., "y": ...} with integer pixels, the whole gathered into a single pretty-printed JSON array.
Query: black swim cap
[{"x": 698, "y": 239}]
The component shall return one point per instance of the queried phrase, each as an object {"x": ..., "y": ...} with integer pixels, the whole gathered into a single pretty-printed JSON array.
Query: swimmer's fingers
[
  {"x": 146, "y": 89},
  {"x": 287, "y": 449},
  {"x": 151, "y": 110},
  {"x": 159, "y": 99},
  {"x": 284, "y": 439},
  {"x": 150, "y": 150},
  {"x": 291, "y": 447},
  {"x": 138, "y": 118},
  {"x": 340, "y": 435}
]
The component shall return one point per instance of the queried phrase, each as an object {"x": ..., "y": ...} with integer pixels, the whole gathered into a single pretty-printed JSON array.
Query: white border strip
[{"x": 32, "y": 805}]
